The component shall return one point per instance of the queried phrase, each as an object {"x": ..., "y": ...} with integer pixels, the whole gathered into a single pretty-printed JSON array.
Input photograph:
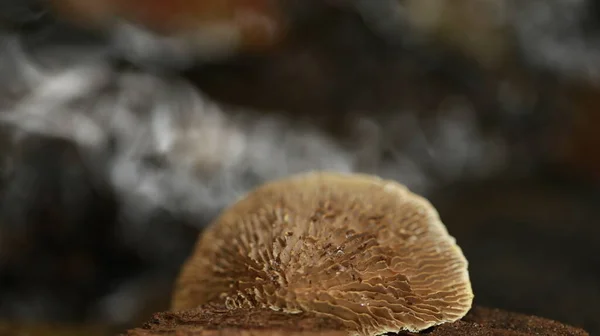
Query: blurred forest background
[{"x": 490, "y": 108}]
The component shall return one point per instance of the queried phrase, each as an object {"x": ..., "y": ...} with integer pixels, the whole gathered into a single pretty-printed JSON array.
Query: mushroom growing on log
[{"x": 354, "y": 248}]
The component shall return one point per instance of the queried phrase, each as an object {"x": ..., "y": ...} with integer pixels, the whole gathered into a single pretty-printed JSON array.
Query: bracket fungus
[{"x": 353, "y": 247}]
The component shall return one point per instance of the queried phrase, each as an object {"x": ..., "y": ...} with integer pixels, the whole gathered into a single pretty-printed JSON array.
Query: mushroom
[{"x": 353, "y": 247}]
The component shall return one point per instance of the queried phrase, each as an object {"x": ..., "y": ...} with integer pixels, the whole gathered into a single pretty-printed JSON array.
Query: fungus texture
[{"x": 353, "y": 247}]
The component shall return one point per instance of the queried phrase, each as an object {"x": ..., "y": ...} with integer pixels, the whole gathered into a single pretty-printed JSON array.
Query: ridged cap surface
[{"x": 353, "y": 247}]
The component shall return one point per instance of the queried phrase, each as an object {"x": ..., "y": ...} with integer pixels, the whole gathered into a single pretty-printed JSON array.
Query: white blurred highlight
[{"x": 160, "y": 143}]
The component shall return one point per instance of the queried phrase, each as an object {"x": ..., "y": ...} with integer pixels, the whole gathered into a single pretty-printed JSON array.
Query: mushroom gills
[{"x": 352, "y": 247}]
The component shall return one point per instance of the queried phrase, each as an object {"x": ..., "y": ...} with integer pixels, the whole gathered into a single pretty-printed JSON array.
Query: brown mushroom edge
[
  {"x": 355, "y": 247},
  {"x": 276, "y": 248},
  {"x": 215, "y": 320}
]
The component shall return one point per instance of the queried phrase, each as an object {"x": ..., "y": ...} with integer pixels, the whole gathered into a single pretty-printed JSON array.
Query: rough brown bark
[{"x": 213, "y": 320}]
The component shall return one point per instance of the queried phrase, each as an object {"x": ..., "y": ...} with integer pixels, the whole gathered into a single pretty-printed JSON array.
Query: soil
[
  {"x": 52, "y": 329},
  {"x": 213, "y": 320}
]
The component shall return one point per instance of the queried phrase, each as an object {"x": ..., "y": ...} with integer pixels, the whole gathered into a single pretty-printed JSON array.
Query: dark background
[{"x": 530, "y": 228}]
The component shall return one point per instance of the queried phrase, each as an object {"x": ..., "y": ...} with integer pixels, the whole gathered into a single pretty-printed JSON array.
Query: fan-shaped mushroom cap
[{"x": 353, "y": 247}]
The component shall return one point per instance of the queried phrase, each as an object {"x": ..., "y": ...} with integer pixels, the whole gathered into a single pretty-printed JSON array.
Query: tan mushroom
[{"x": 353, "y": 247}]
